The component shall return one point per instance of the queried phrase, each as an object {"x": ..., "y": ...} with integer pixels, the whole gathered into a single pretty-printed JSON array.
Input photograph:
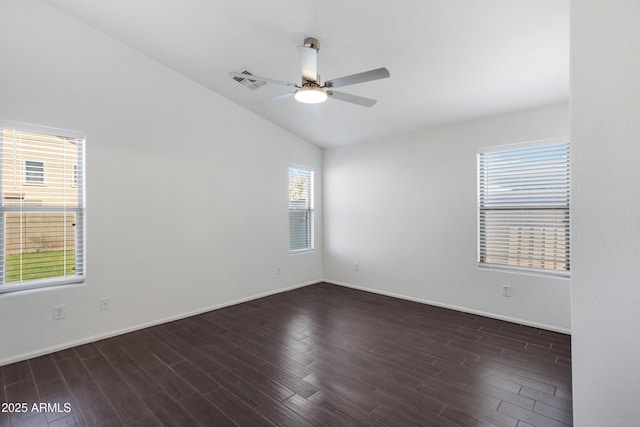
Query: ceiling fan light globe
[{"x": 310, "y": 95}]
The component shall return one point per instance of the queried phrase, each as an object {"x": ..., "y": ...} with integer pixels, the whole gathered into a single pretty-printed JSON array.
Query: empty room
[{"x": 336, "y": 213}]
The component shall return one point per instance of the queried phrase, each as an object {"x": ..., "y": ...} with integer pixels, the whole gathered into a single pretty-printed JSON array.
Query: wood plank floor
[{"x": 320, "y": 355}]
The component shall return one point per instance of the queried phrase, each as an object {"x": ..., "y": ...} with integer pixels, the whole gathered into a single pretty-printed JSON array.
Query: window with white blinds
[
  {"x": 301, "y": 209},
  {"x": 524, "y": 203},
  {"x": 42, "y": 208}
]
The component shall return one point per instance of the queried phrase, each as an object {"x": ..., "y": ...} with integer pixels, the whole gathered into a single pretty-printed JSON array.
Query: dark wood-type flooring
[{"x": 320, "y": 355}]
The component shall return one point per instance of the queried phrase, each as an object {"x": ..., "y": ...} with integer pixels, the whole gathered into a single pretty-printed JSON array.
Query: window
[
  {"x": 41, "y": 227},
  {"x": 35, "y": 172},
  {"x": 524, "y": 208},
  {"x": 300, "y": 209}
]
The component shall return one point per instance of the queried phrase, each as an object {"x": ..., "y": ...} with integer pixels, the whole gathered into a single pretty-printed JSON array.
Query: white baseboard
[
  {"x": 97, "y": 337},
  {"x": 454, "y": 307}
]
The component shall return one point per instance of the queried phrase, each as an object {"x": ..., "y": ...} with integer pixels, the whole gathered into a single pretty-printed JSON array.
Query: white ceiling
[{"x": 450, "y": 60}]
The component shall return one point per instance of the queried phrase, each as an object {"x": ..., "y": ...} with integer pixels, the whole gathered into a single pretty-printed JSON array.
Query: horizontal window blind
[
  {"x": 524, "y": 201},
  {"x": 301, "y": 209},
  {"x": 42, "y": 209}
]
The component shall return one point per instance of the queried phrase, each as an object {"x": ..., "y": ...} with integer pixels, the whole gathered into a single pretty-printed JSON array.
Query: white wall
[
  {"x": 406, "y": 210},
  {"x": 187, "y": 192},
  {"x": 605, "y": 129}
]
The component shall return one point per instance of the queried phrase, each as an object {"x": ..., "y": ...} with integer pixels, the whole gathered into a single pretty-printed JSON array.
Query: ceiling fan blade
[
  {"x": 262, "y": 79},
  {"x": 308, "y": 63},
  {"x": 354, "y": 99},
  {"x": 274, "y": 98},
  {"x": 378, "y": 73}
]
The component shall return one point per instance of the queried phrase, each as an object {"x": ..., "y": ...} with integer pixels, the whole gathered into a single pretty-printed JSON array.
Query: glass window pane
[
  {"x": 300, "y": 209},
  {"x": 524, "y": 203},
  {"x": 39, "y": 245}
]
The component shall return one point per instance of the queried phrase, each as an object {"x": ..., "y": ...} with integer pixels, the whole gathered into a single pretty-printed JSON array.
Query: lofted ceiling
[{"x": 450, "y": 60}]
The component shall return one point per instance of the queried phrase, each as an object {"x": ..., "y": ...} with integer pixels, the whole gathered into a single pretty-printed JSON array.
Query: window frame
[
  {"x": 564, "y": 273},
  {"x": 80, "y": 210},
  {"x": 310, "y": 210}
]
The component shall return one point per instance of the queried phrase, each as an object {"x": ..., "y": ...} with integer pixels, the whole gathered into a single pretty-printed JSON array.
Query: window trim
[
  {"x": 80, "y": 210},
  {"x": 312, "y": 209},
  {"x": 563, "y": 274}
]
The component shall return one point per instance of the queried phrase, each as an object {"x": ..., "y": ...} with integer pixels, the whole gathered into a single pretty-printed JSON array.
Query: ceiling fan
[{"x": 311, "y": 90}]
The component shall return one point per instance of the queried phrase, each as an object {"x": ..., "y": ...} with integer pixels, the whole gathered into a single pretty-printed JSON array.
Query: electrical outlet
[
  {"x": 506, "y": 291},
  {"x": 356, "y": 266},
  {"x": 105, "y": 304},
  {"x": 59, "y": 312},
  {"x": 278, "y": 271}
]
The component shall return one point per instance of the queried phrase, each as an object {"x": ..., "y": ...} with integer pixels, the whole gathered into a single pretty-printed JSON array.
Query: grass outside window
[{"x": 40, "y": 265}]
